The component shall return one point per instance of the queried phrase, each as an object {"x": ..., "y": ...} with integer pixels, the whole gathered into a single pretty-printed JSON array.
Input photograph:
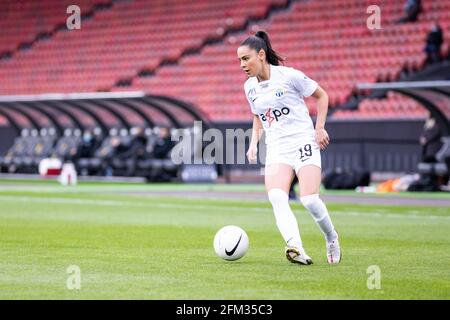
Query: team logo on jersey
[
  {"x": 272, "y": 115},
  {"x": 279, "y": 92}
]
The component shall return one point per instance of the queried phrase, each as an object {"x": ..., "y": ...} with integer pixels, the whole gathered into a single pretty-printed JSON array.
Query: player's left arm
[{"x": 322, "y": 137}]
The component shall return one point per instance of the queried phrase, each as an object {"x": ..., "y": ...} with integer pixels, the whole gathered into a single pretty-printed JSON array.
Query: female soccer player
[{"x": 275, "y": 94}]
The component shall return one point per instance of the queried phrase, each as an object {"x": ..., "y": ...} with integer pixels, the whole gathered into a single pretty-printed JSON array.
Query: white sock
[
  {"x": 285, "y": 218},
  {"x": 319, "y": 212}
]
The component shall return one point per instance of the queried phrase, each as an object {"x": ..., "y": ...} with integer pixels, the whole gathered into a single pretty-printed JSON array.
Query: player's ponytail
[
  {"x": 261, "y": 41},
  {"x": 272, "y": 57}
]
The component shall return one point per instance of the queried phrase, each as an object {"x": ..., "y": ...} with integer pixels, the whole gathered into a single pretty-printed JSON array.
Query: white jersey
[{"x": 280, "y": 106}]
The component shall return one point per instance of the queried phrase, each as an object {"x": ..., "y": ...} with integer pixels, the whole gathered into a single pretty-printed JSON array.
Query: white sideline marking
[{"x": 114, "y": 203}]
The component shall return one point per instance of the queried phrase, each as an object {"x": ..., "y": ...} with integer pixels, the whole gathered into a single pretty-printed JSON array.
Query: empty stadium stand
[
  {"x": 394, "y": 106},
  {"x": 25, "y": 22},
  {"x": 118, "y": 43},
  {"x": 333, "y": 46},
  {"x": 186, "y": 49}
]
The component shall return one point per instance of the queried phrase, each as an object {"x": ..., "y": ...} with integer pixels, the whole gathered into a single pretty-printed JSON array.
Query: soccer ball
[{"x": 231, "y": 243}]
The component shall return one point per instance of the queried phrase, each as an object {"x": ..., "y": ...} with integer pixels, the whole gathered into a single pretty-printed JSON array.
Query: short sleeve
[
  {"x": 250, "y": 102},
  {"x": 304, "y": 85}
]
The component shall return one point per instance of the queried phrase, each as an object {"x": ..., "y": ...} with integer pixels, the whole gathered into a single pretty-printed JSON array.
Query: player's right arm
[{"x": 257, "y": 132}]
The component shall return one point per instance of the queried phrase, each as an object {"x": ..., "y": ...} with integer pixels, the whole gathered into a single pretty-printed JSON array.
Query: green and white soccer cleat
[{"x": 297, "y": 255}]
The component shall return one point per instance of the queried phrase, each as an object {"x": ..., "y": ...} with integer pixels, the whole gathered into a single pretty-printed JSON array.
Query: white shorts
[{"x": 306, "y": 152}]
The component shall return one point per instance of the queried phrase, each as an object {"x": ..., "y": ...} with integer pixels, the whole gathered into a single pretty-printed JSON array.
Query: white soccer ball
[{"x": 231, "y": 243}]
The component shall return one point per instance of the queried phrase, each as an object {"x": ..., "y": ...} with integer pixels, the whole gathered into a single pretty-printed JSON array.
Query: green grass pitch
[{"x": 135, "y": 246}]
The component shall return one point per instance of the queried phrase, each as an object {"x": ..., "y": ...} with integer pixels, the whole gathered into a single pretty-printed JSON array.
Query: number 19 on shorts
[{"x": 305, "y": 152}]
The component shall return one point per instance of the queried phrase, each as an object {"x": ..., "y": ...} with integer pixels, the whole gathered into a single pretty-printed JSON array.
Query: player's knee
[
  {"x": 311, "y": 202},
  {"x": 277, "y": 196}
]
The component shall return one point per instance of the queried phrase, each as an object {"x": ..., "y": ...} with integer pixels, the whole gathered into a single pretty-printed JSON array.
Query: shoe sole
[{"x": 288, "y": 256}]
